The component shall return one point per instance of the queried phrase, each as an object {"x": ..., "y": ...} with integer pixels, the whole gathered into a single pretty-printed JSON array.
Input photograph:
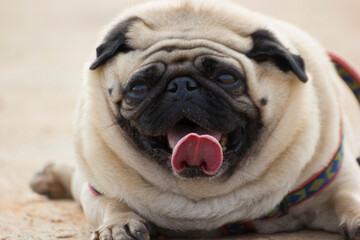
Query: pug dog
[{"x": 204, "y": 119}]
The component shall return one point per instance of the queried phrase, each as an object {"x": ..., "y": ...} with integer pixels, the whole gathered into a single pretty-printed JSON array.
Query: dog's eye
[
  {"x": 226, "y": 79},
  {"x": 139, "y": 89}
]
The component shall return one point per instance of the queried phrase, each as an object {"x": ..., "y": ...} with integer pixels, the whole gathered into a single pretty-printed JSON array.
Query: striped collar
[
  {"x": 347, "y": 73},
  {"x": 95, "y": 191}
]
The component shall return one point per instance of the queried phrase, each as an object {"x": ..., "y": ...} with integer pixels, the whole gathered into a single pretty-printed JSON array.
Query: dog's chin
[
  {"x": 232, "y": 145},
  {"x": 195, "y": 172}
]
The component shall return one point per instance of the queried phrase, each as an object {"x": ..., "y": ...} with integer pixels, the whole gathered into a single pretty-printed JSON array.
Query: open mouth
[{"x": 192, "y": 146}]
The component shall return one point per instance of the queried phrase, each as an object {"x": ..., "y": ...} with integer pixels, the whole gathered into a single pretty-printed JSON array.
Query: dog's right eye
[
  {"x": 226, "y": 79},
  {"x": 139, "y": 90}
]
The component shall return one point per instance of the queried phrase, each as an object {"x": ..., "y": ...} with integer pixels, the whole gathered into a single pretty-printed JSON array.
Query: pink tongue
[{"x": 195, "y": 150}]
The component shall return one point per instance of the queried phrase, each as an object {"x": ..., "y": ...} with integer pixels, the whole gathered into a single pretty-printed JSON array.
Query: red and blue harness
[{"x": 315, "y": 184}]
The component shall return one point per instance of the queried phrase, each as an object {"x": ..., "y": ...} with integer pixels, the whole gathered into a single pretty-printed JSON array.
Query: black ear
[
  {"x": 114, "y": 43},
  {"x": 268, "y": 48}
]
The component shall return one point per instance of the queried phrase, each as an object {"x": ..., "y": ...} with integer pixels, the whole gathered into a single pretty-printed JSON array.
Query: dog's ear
[
  {"x": 267, "y": 48},
  {"x": 114, "y": 42}
]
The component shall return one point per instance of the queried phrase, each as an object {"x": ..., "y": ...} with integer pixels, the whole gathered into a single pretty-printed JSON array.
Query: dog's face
[{"x": 190, "y": 99}]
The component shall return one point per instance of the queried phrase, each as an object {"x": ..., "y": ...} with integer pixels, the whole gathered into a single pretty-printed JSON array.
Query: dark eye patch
[
  {"x": 212, "y": 68},
  {"x": 144, "y": 80},
  {"x": 209, "y": 65},
  {"x": 225, "y": 75}
]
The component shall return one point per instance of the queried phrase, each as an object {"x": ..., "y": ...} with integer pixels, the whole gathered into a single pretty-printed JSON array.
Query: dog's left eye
[
  {"x": 226, "y": 79},
  {"x": 139, "y": 89}
]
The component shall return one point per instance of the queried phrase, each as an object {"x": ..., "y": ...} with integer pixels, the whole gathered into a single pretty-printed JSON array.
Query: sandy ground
[{"x": 43, "y": 48}]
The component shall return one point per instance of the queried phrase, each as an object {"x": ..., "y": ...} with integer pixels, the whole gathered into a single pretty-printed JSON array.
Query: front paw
[
  {"x": 130, "y": 230},
  {"x": 350, "y": 231}
]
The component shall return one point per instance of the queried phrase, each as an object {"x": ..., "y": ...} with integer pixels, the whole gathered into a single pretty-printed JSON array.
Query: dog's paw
[
  {"x": 350, "y": 231},
  {"x": 132, "y": 230},
  {"x": 48, "y": 183}
]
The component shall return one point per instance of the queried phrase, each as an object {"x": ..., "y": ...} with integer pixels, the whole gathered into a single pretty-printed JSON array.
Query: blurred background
[{"x": 43, "y": 48}]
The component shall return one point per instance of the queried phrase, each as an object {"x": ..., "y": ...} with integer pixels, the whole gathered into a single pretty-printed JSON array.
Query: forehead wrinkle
[
  {"x": 182, "y": 55},
  {"x": 182, "y": 44}
]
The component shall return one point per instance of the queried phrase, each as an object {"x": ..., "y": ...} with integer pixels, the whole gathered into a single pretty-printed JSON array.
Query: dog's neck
[{"x": 314, "y": 185}]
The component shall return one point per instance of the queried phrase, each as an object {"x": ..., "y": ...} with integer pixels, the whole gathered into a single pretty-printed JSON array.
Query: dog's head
[{"x": 194, "y": 88}]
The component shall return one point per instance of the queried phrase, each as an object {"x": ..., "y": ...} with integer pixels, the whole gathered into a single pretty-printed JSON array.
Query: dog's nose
[{"x": 182, "y": 85}]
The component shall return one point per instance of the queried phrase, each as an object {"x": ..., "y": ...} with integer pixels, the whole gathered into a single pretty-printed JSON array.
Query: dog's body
[{"x": 292, "y": 114}]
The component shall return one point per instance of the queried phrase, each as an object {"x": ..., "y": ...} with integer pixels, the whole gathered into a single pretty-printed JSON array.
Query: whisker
[
  {"x": 97, "y": 85},
  {"x": 111, "y": 125}
]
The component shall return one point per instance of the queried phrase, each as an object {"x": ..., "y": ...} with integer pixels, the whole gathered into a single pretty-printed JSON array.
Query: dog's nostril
[
  {"x": 180, "y": 84},
  {"x": 191, "y": 85},
  {"x": 172, "y": 87}
]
